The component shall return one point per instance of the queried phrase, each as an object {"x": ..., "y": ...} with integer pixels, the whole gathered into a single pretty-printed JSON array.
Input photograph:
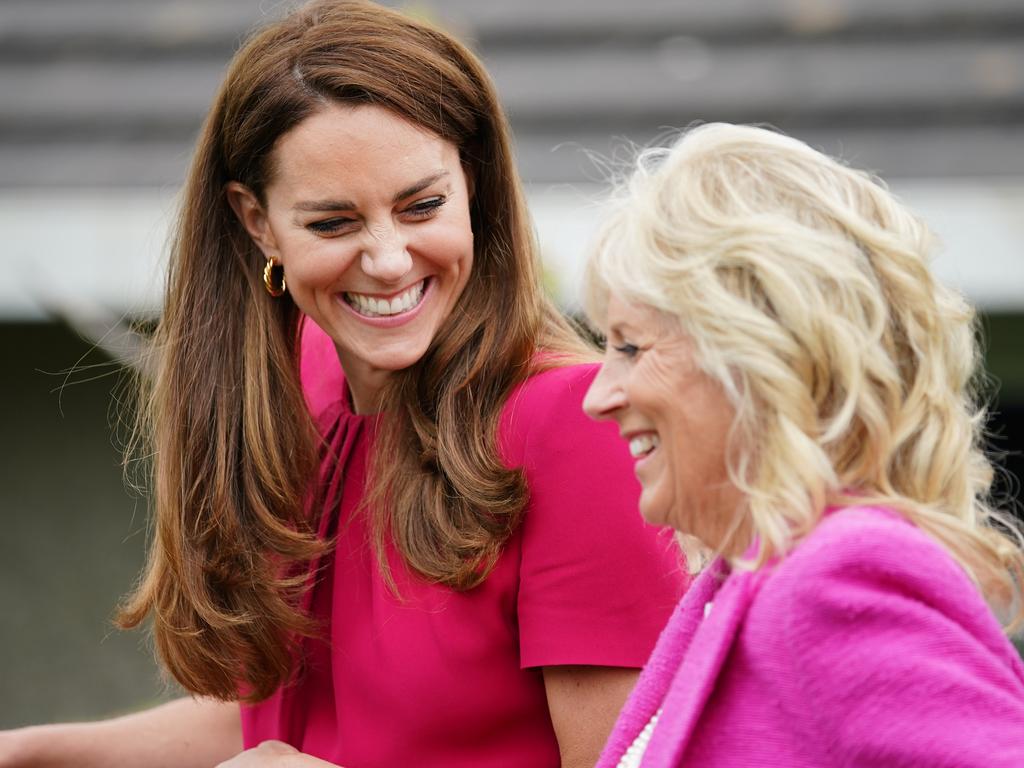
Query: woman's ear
[{"x": 253, "y": 217}]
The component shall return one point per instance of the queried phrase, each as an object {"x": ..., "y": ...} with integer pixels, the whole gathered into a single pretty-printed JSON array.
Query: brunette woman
[{"x": 382, "y": 521}]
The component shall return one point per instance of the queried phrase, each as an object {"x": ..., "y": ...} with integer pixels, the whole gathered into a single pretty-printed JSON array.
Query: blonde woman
[{"x": 797, "y": 391}]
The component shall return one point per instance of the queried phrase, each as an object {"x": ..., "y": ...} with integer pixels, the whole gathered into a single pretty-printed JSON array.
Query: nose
[
  {"x": 606, "y": 398},
  {"x": 385, "y": 257}
]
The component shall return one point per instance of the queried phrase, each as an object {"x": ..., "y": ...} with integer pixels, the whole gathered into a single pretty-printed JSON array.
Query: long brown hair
[{"x": 234, "y": 450}]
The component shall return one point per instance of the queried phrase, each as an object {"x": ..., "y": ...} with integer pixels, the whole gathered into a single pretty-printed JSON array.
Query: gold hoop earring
[{"x": 273, "y": 277}]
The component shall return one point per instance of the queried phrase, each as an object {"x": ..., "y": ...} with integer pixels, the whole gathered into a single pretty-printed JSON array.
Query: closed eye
[
  {"x": 425, "y": 208},
  {"x": 330, "y": 226}
]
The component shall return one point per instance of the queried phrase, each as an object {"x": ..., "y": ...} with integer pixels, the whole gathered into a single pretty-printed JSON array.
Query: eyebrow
[{"x": 317, "y": 206}]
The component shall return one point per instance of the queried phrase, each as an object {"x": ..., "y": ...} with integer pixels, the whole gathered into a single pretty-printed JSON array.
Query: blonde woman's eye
[{"x": 627, "y": 350}]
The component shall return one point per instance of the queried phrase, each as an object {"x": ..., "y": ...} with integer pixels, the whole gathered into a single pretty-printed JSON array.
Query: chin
[
  {"x": 654, "y": 513},
  {"x": 398, "y": 360}
]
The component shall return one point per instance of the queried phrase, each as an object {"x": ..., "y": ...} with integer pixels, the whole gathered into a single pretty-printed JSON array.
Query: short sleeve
[
  {"x": 597, "y": 584},
  {"x": 895, "y": 654}
]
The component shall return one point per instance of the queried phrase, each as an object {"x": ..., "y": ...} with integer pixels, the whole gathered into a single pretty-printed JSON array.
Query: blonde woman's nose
[{"x": 605, "y": 398}]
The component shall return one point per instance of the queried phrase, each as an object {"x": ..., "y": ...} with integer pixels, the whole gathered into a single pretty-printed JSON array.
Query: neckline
[{"x": 346, "y": 405}]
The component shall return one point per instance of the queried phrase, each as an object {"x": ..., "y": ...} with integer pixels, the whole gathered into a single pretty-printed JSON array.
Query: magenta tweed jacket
[{"x": 866, "y": 646}]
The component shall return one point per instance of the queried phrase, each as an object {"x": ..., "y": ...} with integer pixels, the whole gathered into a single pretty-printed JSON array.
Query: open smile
[
  {"x": 368, "y": 305},
  {"x": 643, "y": 445}
]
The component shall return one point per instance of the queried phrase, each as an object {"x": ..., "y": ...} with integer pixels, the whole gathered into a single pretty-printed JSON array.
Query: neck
[
  {"x": 365, "y": 384},
  {"x": 738, "y": 541}
]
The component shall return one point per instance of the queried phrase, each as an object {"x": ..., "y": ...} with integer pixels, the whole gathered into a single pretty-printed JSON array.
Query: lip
[
  {"x": 391, "y": 321},
  {"x": 399, "y": 292},
  {"x": 640, "y": 461},
  {"x": 635, "y": 433}
]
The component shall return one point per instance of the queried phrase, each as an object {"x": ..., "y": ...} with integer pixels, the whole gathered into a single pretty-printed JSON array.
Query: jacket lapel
[
  {"x": 697, "y": 675},
  {"x": 657, "y": 675}
]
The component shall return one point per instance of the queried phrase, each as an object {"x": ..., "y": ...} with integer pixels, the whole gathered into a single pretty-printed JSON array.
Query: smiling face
[
  {"x": 675, "y": 417},
  {"x": 369, "y": 216}
]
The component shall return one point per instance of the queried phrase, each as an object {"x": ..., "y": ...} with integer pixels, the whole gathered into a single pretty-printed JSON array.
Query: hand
[{"x": 274, "y": 754}]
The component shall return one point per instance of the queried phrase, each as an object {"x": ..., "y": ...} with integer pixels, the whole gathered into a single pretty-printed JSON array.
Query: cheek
[
  {"x": 450, "y": 246},
  {"x": 653, "y": 391},
  {"x": 311, "y": 265},
  {"x": 447, "y": 237},
  {"x": 695, "y": 457},
  {"x": 682, "y": 462}
]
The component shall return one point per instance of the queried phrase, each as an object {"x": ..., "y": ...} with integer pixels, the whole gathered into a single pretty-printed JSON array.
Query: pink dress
[{"x": 453, "y": 679}]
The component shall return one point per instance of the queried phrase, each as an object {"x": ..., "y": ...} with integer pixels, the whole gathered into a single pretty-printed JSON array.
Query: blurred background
[{"x": 100, "y": 101}]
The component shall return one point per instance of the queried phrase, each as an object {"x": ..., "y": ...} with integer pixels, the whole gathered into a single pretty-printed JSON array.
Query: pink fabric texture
[
  {"x": 866, "y": 646},
  {"x": 444, "y": 678}
]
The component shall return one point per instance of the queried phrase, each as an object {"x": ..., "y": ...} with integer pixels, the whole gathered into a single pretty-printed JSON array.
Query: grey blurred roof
[{"x": 111, "y": 92}]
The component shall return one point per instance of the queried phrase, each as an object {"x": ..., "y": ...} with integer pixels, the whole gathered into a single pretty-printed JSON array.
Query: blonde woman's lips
[{"x": 642, "y": 445}]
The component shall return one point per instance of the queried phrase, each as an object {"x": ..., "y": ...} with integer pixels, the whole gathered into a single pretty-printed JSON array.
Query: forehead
[
  {"x": 626, "y": 315},
  {"x": 358, "y": 145}
]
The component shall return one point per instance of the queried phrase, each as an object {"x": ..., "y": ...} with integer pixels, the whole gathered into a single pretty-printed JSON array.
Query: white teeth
[
  {"x": 371, "y": 307},
  {"x": 642, "y": 445}
]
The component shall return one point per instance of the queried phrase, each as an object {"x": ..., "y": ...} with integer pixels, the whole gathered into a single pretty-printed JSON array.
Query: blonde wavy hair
[{"x": 805, "y": 287}]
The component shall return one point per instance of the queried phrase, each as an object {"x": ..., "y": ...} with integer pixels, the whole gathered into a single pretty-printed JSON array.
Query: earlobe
[{"x": 252, "y": 216}]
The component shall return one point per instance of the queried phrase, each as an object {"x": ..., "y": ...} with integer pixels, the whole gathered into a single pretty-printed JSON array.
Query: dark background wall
[
  {"x": 73, "y": 536},
  {"x": 1004, "y": 340}
]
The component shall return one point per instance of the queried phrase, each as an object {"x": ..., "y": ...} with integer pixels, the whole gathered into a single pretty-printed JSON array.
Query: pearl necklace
[{"x": 635, "y": 753}]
